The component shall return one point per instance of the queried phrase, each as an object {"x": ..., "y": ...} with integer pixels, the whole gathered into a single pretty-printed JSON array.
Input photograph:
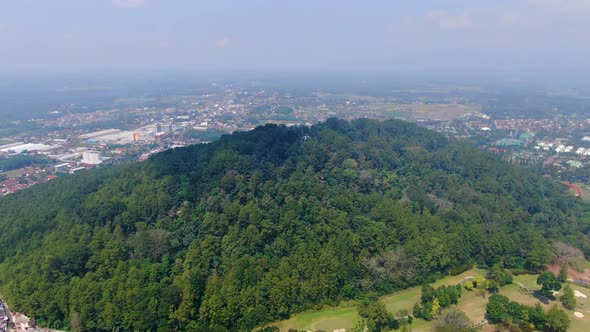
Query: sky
[{"x": 453, "y": 36}]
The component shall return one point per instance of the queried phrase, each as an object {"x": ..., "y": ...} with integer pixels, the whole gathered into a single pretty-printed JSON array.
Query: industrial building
[{"x": 91, "y": 158}]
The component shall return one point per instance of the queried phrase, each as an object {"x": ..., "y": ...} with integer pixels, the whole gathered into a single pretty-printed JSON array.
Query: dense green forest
[{"x": 262, "y": 224}]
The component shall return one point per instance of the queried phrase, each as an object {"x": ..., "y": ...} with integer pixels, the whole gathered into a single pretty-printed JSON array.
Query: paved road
[{"x": 465, "y": 279}]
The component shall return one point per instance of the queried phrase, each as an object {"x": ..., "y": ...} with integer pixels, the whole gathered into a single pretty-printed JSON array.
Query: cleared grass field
[
  {"x": 330, "y": 319},
  {"x": 472, "y": 303},
  {"x": 585, "y": 191},
  {"x": 327, "y": 319},
  {"x": 517, "y": 294},
  {"x": 583, "y": 306}
]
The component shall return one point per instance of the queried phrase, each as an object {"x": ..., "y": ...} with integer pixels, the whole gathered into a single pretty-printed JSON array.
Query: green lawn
[
  {"x": 421, "y": 325},
  {"x": 330, "y": 319},
  {"x": 12, "y": 174},
  {"x": 515, "y": 293},
  {"x": 583, "y": 306},
  {"x": 529, "y": 280},
  {"x": 585, "y": 190},
  {"x": 5, "y": 141},
  {"x": 472, "y": 303},
  {"x": 407, "y": 298}
]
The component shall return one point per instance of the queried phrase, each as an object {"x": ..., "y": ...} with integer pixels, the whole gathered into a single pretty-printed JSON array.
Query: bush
[
  {"x": 468, "y": 285},
  {"x": 453, "y": 320},
  {"x": 271, "y": 329},
  {"x": 519, "y": 271},
  {"x": 568, "y": 299},
  {"x": 460, "y": 269}
]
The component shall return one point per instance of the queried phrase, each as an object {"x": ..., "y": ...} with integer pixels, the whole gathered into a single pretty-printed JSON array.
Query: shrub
[{"x": 460, "y": 269}]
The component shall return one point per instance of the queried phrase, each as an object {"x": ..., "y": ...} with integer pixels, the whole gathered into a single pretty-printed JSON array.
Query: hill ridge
[{"x": 263, "y": 224}]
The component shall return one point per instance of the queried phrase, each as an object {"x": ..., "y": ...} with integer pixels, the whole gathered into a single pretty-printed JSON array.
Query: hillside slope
[{"x": 266, "y": 223}]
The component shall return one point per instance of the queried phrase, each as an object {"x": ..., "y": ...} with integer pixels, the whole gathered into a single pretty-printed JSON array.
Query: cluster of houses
[{"x": 549, "y": 146}]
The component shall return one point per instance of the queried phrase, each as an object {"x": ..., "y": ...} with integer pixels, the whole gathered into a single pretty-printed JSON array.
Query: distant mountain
[{"x": 262, "y": 224}]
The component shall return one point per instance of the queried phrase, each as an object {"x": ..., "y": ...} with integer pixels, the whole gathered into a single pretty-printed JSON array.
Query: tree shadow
[{"x": 544, "y": 298}]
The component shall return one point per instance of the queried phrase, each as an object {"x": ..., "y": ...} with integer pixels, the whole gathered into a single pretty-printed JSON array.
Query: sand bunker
[
  {"x": 578, "y": 314},
  {"x": 577, "y": 293}
]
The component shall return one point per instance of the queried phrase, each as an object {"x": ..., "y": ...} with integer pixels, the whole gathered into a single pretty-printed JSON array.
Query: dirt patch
[
  {"x": 578, "y": 314},
  {"x": 577, "y": 293},
  {"x": 572, "y": 274}
]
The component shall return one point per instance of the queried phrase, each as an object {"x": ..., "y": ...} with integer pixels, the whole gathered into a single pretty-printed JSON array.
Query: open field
[
  {"x": 517, "y": 294},
  {"x": 435, "y": 111},
  {"x": 578, "y": 268},
  {"x": 5, "y": 141},
  {"x": 327, "y": 319},
  {"x": 13, "y": 174},
  {"x": 330, "y": 319},
  {"x": 528, "y": 280},
  {"x": 473, "y": 305},
  {"x": 471, "y": 302},
  {"x": 428, "y": 109},
  {"x": 585, "y": 190},
  {"x": 407, "y": 298},
  {"x": 583, "y": 306}
]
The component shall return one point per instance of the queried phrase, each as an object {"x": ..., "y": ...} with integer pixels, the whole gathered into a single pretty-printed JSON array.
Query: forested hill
[{"x": 263, "y": 224}]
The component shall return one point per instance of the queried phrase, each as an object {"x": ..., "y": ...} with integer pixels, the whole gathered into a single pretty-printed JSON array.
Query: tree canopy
[{"x": 263, "y": 224}]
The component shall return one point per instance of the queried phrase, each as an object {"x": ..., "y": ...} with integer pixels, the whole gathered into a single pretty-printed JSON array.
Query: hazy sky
[{"x": 298, "y": 35}]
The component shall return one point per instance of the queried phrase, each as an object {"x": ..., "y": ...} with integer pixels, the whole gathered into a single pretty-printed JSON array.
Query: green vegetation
[
  {"x": 398, "y": 304},
  {"x": 498, "y": 277},
  {"x": 557, "y": 320},
  {"x": 328, "y": 319},
  {"x": 453, "y": 320},
  {"x": 568, "y": 299},
  {"x": 549, "y": 283},
  {"x": 209, "y": 134},
  {"x": 562, "y": 277},
  {"x": 260, "y": 225},
  {"x": 500, "y": 310},
  {"x": 432, "y": 301},
  {"x": 20, "y": 161},
  {"x": 376, "y": 318}
]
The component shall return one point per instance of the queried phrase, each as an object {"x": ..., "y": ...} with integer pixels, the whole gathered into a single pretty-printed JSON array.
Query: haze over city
[{"x": 453, "y": 37}]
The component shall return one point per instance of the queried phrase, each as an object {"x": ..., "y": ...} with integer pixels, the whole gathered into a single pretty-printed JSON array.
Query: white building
[{"x": 91, "y": 157}]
